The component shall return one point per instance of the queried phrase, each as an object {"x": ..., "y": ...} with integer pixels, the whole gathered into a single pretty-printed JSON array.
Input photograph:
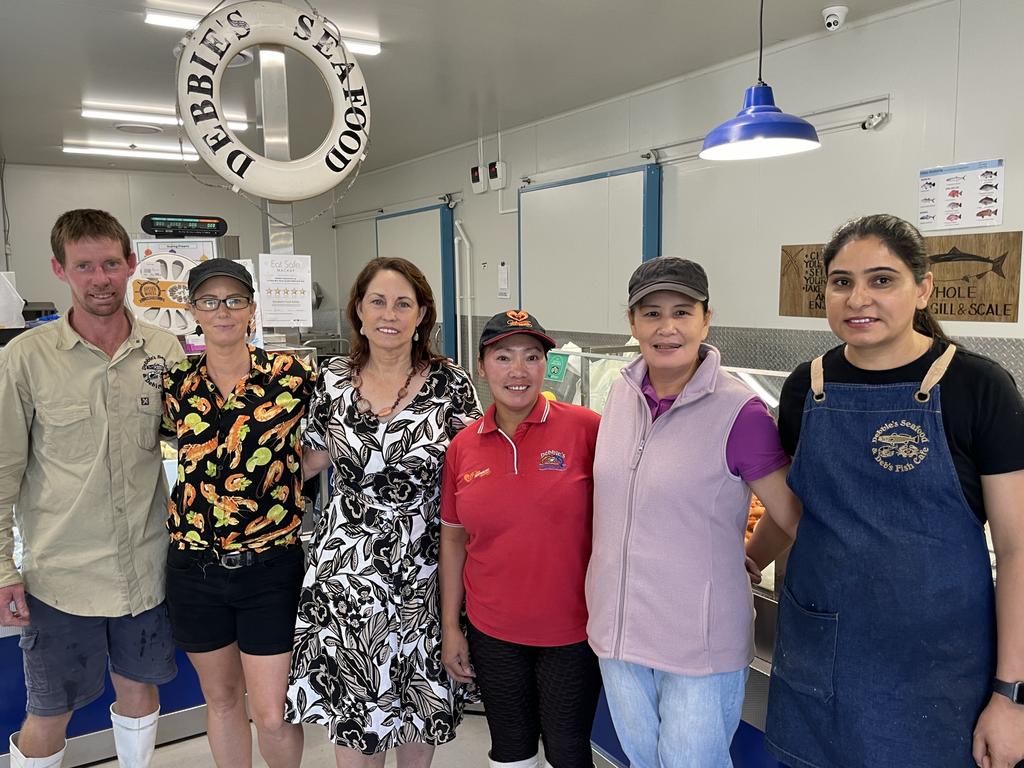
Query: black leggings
[{"x": 530, "y": 692}]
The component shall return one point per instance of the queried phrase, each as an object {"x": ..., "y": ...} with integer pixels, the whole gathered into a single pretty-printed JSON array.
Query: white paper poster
[
  {"x": 961, "y": 196},
  {"x": 286, "y": 290}
]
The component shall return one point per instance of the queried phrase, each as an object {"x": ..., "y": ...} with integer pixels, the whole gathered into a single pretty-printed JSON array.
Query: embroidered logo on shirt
[
  {"x": 153, "y": 368},
  {"x": 899, "y": 446},
  {"x": 552, "y": 460},
  {"x": 471, "y": 476}
]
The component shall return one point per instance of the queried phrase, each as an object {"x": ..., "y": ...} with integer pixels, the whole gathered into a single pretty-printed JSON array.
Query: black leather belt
[{"x": 235, "y": 560}]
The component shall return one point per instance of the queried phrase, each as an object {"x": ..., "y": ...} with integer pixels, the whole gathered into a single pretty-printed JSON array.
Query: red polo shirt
[{"x": 526, "y": 502}]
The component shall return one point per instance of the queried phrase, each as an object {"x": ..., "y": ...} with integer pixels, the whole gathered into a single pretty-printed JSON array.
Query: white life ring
[
  {"x": 201, "y": 64},
  {"x": 158, "y": 292}
]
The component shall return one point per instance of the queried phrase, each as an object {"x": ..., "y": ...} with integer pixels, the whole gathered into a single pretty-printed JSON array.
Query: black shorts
[{"x": 255, "y": 606}]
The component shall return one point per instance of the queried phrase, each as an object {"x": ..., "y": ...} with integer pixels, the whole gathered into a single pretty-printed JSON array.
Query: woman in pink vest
[{"x": 680, "y": 447}]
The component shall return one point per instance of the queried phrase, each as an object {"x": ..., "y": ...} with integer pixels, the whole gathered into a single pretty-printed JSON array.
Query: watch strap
[{"x": 1013, "y": 691}]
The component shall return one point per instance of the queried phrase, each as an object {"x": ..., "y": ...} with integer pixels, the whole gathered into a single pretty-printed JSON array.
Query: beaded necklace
[{"x": 363, "y": 405}]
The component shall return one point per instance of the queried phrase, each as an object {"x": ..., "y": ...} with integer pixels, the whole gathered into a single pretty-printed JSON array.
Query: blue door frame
[{"x": 446, "y": 311}]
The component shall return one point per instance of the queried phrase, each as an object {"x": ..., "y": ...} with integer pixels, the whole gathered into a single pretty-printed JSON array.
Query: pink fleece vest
[{"x": 666, "y": 585}]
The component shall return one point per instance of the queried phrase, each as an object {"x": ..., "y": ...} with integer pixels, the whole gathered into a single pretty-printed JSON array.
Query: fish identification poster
[
  {"x": 976, "y": 278},
  {"x": 961, "y": 196}
]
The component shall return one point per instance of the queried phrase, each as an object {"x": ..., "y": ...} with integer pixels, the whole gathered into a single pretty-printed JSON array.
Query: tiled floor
[{"x": 467, "y": 750}]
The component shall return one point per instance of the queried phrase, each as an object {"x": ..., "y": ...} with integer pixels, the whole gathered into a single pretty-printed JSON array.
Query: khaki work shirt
[{"x": 80, "y": 468}]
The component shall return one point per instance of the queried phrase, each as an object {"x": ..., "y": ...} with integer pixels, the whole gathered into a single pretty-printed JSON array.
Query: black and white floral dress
[{"x": 367, "y": 656}]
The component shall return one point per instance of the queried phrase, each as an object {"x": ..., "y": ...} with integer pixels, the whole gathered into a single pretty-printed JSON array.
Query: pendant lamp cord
[{"x": 760, "y": 45}]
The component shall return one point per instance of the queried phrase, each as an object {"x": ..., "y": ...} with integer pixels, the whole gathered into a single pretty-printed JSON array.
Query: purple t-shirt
[{"x": 753, "y": 449}]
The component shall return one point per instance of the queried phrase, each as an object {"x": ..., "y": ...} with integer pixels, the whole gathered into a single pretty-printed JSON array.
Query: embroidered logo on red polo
[
  {"x": 552, "y": 460},
  {"x": 469, "y": 477}
]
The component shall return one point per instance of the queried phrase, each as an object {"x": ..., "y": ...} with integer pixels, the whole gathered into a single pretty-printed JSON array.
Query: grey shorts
[{"x": 66, "y": 656}]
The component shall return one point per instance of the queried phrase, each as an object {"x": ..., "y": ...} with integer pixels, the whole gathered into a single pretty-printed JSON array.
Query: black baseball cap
[
  {"x": 505, "y": 324},
  {"x": 668, "y": 273},
  {"x": 203, "y": 271}
]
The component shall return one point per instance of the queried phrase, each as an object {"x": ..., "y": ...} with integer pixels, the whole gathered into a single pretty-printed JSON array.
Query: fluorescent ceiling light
[
  {"x": 147, "y": 117},
  {"x": 158, "y": 147},
  {"x": 173, "y": 20},
  {"x": 364, "y": 47},
  {"x": 140, "y": 154},
  {"x": 359, "y": 45}
]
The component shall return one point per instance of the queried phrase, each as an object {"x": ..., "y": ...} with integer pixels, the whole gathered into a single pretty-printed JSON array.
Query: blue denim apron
[{"x": 886, "y": 638}]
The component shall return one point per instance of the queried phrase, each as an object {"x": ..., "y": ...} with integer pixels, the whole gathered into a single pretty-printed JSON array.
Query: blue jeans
[{"x": 673, "y": 721}]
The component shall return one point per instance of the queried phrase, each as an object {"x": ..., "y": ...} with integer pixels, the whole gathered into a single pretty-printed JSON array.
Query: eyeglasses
[{"x": 209, "y": 304}]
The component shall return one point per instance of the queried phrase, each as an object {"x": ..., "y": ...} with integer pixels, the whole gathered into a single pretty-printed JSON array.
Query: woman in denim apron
[{"x": 887, "y": 638}]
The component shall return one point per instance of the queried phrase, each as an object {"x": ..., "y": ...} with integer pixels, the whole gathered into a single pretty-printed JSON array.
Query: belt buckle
[{"x": 232, "y": 560}]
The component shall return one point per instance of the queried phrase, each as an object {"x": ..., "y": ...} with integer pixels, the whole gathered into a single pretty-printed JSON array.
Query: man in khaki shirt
[{"x": 80, "y": 473}]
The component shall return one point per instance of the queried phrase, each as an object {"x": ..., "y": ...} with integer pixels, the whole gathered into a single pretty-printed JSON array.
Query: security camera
[{"x": 834, "y": 16}]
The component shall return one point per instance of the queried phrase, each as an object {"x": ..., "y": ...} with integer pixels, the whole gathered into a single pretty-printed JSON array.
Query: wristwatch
[{"x": 1013, "y": 691}]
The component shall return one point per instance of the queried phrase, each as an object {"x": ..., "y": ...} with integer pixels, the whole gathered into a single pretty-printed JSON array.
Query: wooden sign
[{"x": 977, "y": 278}]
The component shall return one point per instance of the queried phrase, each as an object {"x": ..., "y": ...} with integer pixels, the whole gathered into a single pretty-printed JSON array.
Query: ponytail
[{"x": 925, "y": 323}]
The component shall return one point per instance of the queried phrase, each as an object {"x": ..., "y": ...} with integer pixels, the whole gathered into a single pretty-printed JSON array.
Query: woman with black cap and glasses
[
  {"x": 516, "y": 509},
  {"x": 235, "y": 564}
]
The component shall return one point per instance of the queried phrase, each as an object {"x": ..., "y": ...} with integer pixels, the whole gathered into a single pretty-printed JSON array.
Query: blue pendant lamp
[{"x": 761, "y": 129}]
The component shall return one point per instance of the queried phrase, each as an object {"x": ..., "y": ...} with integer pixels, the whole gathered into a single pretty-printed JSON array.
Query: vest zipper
[{"x": 621, "y": 622}]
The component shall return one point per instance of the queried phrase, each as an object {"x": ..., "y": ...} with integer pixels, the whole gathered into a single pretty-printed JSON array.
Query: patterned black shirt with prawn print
[{"x": 239, "y": 461}]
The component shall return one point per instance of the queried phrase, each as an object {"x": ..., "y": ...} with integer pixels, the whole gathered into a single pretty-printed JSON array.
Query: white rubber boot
[
  {"x": 134, "y": 738},
  {"x": 18, "y": 760},
  {"x": 530, "y": 762}
]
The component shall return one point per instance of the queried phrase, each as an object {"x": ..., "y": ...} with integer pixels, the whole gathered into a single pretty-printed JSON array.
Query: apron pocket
[{"x": 806, "y": 654}]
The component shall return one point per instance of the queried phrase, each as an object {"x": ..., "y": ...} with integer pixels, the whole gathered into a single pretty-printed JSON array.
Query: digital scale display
[{"x": 181, "y": 225}]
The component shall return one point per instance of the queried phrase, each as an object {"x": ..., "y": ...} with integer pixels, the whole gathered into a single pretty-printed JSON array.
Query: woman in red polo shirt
[{"x": 516, "y": 511}]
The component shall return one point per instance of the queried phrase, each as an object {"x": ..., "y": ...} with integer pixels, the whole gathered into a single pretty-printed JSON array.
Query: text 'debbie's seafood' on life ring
[{"x": 206, "y": 54}]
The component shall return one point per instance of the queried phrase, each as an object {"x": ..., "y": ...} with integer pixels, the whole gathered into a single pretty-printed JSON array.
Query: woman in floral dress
[{"x": 367, "y": 655}]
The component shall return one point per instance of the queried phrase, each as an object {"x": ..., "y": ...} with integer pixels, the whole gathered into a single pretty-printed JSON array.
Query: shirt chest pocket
[
  {"x": 67, "y": 432},
  {"x": 149, "y": 414}
]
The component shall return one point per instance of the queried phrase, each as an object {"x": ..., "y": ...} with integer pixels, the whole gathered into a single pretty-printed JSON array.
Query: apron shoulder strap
[
  {"x": 935, "y": 373},
  {"x": 818, "y": 378}
]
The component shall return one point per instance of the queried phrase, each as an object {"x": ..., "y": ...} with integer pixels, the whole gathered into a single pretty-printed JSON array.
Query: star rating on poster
[{"x": 280, "y": 292}]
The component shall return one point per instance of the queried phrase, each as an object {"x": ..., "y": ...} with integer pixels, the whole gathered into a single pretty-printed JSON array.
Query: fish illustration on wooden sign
[
  {"x": 963, "y": 266},
  {"x": 986, "y": 213}
]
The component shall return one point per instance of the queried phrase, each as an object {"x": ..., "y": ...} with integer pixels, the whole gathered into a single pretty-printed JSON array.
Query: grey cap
[{"x": 668, "y": 273}]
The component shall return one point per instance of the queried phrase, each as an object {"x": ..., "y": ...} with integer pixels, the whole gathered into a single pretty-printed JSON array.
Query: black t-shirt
[{"x": 982, "y": 411}]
